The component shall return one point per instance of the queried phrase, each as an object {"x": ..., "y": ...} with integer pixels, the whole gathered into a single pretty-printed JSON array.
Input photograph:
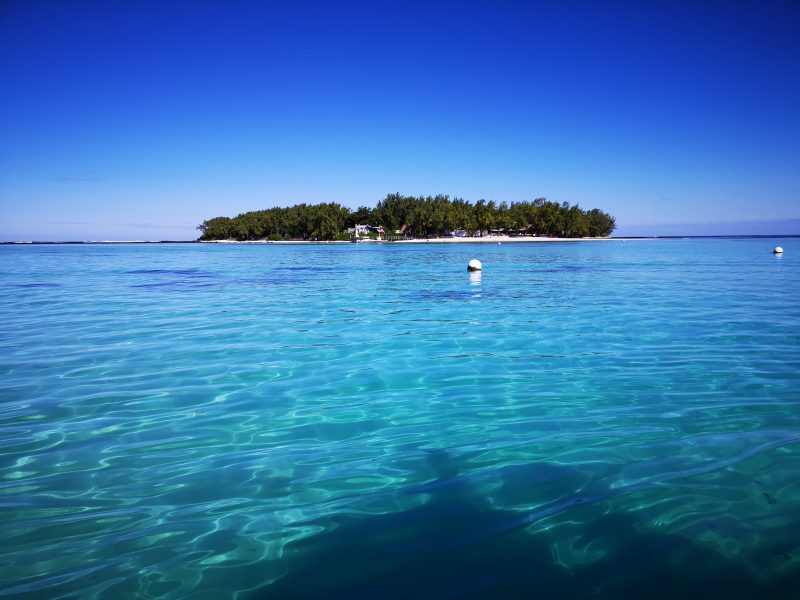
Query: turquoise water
[{"x": 599, "y": 419}]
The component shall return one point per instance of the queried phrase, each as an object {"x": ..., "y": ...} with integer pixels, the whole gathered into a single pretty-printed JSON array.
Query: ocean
[{"x": 598, "y": 419}]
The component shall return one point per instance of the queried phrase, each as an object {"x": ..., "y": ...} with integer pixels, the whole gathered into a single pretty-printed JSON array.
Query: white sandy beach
[
  {"x": 487, "y": 239},
  {"x": 499, "y": 239}
]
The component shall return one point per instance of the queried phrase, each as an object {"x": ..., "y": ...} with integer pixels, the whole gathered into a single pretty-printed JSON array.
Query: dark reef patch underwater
[{"x": 457, "y": 545}]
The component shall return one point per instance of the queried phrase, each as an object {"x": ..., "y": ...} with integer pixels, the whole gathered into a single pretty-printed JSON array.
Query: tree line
[{"x": 416, "y": 216}]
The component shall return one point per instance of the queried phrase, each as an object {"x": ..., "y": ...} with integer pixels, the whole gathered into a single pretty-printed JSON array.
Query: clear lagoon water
[{"x": 595, "y": 419}]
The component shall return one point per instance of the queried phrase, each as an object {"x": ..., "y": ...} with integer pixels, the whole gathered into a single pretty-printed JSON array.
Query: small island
[{"x": 399, "y": 217}]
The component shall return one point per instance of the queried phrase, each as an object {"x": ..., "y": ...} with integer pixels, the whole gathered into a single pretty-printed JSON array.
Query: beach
[{"x": 486, "y": 239}]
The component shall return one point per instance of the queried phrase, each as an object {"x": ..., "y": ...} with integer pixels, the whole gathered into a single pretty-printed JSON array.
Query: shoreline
[
  {"x": 496, "y": 239},
  {"x": 487, "y": 239}
]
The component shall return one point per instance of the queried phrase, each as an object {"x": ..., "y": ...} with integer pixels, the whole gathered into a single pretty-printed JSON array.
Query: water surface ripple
[{"x": 597, "y": 419}]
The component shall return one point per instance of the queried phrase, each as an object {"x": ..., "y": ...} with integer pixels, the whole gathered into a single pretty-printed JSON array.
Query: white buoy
[
  {"x": 474, "y": 265},
  {"x": 778, "y": 250}
]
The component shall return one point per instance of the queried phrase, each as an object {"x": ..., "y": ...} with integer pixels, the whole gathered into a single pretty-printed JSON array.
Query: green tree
[
  {"x": 422, "y": 215},
  {"x": 218, "y": 228}
]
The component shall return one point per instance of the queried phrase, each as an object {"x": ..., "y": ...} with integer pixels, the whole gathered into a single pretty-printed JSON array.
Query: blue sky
[{"x": 139, "y": 120}]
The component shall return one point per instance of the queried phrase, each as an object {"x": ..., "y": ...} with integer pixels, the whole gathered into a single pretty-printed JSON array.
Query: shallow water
[{"x": 582, "y": 419}]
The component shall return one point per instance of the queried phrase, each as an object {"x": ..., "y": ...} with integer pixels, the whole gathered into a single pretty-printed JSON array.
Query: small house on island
[{"x": 365, "y": 230}]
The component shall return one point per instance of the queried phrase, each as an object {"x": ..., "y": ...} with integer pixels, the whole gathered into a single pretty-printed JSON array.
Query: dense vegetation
[{"x": 415, "y": 216}]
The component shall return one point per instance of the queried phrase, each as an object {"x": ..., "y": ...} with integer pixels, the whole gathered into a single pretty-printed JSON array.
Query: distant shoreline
[
  {"x": 441, "y": 240},
  {"x": 94, "y": 242},
  {"x": 490, "y": 239},
  {"x": 487, "y": 239}
]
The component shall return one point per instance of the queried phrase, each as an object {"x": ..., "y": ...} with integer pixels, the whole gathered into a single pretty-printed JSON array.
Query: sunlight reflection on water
[{"x": 223, "y": 421}]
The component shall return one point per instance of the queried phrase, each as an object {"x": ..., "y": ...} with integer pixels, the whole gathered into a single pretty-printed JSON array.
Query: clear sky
[{"x": 138, "y": 120}]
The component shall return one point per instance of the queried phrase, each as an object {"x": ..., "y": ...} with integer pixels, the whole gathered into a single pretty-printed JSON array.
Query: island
[{"x": 399, "y": 217}]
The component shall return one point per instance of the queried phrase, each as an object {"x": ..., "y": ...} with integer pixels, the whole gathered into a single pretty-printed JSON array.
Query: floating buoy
[
  {"x": 778, "y": 250},
  {"x": 474, "y": 265}
]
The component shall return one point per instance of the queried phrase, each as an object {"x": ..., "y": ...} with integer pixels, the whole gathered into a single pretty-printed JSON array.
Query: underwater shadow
[{"x": 458, "y": 546}]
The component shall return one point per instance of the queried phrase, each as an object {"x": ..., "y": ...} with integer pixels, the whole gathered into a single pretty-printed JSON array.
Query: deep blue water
[{"x": 594, "y": 419}]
